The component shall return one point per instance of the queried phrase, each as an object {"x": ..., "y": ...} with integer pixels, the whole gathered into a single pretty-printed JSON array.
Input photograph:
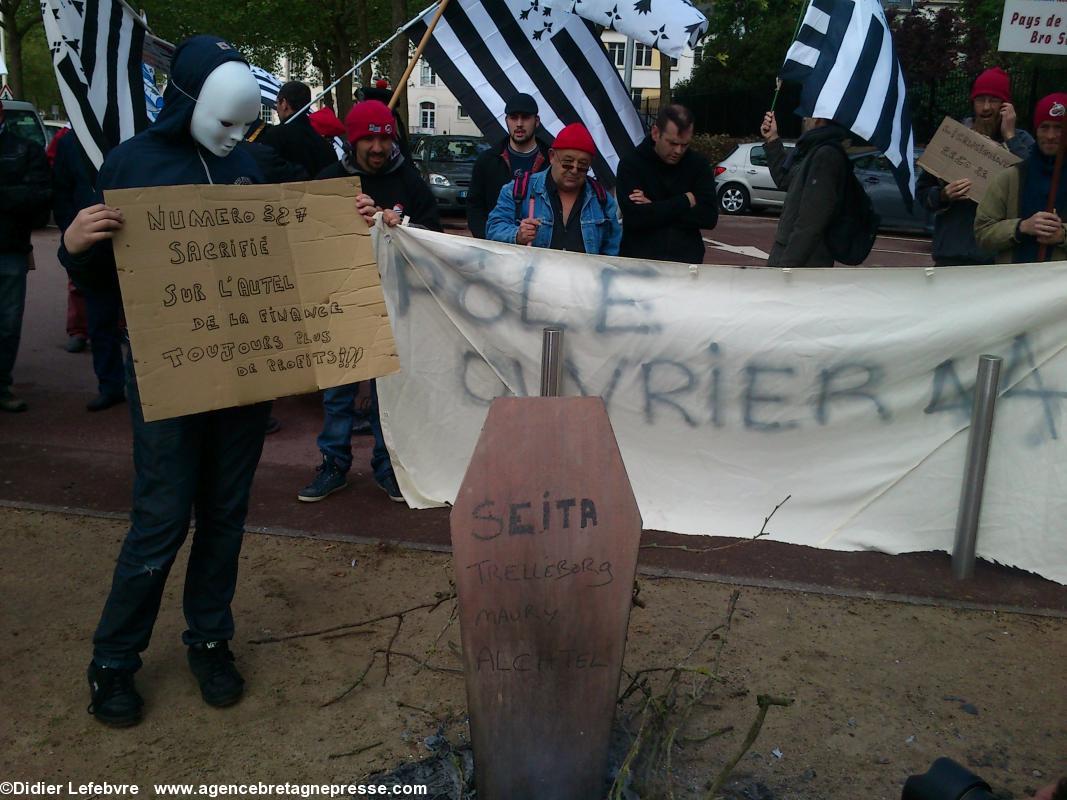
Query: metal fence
[{"x": 738, "y": 111}]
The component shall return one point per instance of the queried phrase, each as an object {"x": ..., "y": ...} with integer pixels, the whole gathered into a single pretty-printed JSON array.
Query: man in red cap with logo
[
  {"x": 1012, "y": 220},
  {"x": 561, "y": 208},
  {"x": 393, "y": 186},
  {"x": 994, "y": 116}
]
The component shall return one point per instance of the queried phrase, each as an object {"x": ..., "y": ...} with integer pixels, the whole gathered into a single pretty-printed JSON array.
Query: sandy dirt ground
[{"x": 880, "y": 689}]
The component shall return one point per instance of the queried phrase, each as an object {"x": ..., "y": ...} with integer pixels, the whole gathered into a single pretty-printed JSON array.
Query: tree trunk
[
  {"x": 366, "y": 72},
  {"x": 664, "y": 80},
  {"x": 320, "y": 59},
  {"x": 13, "y": 56},
  {"x": 344, "y": 88},
  {"x": 399, "y": 62}
]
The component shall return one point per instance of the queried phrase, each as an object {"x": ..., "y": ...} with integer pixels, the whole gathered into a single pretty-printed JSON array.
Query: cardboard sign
[
  {"x": 239, "y": 294},
  {"x": 1034, "y": 26},
  {"x": 958, "y": 152},
  {"x": 545, "y": 534}
]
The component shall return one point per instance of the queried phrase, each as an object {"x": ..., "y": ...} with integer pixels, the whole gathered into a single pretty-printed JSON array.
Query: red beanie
[
  {"x": 325, "y": 122},
  {"x": 1052, "y": 108},
  {"x": 369, "y": 118},
  {"x": 575, "y": 137},
  {"x": 994, "y": 82},
  {"x": 381, "y": 83}
]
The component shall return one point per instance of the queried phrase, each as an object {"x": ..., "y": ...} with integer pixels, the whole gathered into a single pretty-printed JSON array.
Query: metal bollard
[
  {"x": 551, "y": 362},
  {"x": 985, "y": 399}
]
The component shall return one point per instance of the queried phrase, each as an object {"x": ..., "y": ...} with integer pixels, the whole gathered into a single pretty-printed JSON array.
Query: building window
[
  {"x": 642, "y": 55},
  {"x": 698, "y": 51},
  {"x": 617, "y": 53},
  {"x": 427, "y": 116},
  {"x": 461, "y": 112},
  {"x": 427, "y": 77},
  {"x": 635, "y": 95}
]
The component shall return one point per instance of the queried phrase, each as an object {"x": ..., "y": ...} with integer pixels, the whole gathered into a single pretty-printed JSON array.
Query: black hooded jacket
[
  {"x": 298, "y": 143},
  {"x": 166, "y": 154},
  {"x": 668, "y": 228},
  {"x": 813, "y": 177},
  {"x": 25, "y": 189}
]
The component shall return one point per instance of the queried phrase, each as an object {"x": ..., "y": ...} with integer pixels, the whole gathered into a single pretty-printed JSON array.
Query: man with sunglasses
[{"x": 562, "y": 208}]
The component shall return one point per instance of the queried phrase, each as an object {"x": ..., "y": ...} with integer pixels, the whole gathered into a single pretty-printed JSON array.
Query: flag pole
[
  {"x": 1054, "y": 188},
  {"x": 418, "y": 54},
  {"x": 796, "y": 31},
  {"x": 399, "y": 31}
]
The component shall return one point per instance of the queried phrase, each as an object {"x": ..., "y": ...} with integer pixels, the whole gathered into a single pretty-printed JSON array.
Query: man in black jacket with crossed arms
[{"x": 666, "y": 193}]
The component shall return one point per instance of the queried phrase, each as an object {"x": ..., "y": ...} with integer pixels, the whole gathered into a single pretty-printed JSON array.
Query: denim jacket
[{"x": 601, "y": 229}]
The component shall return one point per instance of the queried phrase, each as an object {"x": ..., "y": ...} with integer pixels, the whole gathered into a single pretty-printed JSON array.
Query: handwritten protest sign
[
  {"x": 1034, "y": 26},
  {"x": 957, "y": 152},
  {"x": 238, "y": 294}
]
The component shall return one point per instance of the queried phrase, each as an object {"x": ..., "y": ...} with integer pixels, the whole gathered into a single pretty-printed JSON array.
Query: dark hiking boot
[
  {"x": 221, "y": 684},
  {"x": 389, "y": 485},
  {"x": 113, "y": 699},
  {"x": 328, "y": 479}
]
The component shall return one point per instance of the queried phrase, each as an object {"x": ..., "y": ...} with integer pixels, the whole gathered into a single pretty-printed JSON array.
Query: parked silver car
[
  {"x": 743, "y": 182},
  {"x": 22, "y": 118}
]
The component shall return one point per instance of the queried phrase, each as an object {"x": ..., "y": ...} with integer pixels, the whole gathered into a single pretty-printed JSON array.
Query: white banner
[
  {"x": 730, "y": 388},
  {"x": 1034, "y": 26}
]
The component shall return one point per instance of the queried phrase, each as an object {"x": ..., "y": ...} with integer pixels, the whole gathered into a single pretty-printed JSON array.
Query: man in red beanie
[
  {"x": 1011, "y": 220},
  {"x": 560, "y": 208},
  {"x": 994, "y": 116},
  {"x": 393, "y": 186}
]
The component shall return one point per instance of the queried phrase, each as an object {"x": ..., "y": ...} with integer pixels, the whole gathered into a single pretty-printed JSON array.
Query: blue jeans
[
  {"x": 335, "y": 441},
  {"x": 204, "y": 460},
  {"x": 104, "y": 310},
  {"x": 13, "y": 268}
]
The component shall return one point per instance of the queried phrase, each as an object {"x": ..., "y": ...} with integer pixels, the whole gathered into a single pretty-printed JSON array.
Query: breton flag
[
  {"x": 844, "y": 58},
  {"x": 97, "y": 49},
  {"x": 668, "y": 25},
  {"x": 488, "y": 50},
  {"x": 269, "y": 84}
]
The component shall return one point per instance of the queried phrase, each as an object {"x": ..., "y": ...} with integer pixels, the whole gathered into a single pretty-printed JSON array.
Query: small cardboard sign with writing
[
  {"x": 957, "y": 152},
  {"x": 239, "y": 294},
  {"x": 545, "y": 534}
]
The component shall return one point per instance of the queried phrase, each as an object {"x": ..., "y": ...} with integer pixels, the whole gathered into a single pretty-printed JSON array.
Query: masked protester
[
  {"x": 561, "y": 208},
  {"x": 994, "y": 116},
  {"x": 393, "y": 186},
  {"x": 1011, "y": 220},
  {"x": 205, "y": 460}
]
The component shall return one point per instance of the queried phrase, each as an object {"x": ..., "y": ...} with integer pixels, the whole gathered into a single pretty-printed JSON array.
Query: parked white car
[{"x": 743, "y": 180}]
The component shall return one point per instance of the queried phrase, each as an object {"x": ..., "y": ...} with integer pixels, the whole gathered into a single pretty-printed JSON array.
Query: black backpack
[{"x": 851, "y": 233}]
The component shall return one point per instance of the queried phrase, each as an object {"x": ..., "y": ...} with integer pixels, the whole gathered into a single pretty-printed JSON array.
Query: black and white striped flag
[
  {"x": 845, "y": 60},
  {"x": 486, "y": 51},
  {"x": 97, "y": 49},
  {"x": 269, "y": 84}
]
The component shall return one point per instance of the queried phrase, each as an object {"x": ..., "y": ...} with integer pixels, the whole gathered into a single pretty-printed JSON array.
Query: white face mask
[{"x": 229, "y": 102}]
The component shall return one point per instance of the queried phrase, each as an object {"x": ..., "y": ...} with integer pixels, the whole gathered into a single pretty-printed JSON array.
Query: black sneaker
[
  {"x": 329, "y": 479},
  {"x": 391, "y": 488},
  {"x": 104, "y": 401},
  {"x": 113, "y": 699},
  {"x": 221, "y": 684}
]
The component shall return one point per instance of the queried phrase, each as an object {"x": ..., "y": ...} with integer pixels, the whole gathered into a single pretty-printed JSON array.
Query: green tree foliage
[{"x": 17, "y": 18}]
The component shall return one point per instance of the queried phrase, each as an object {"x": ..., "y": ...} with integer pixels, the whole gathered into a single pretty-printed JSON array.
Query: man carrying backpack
[
  {"x": 561, "y": 208},
  {"x": 813, "y": 177}
]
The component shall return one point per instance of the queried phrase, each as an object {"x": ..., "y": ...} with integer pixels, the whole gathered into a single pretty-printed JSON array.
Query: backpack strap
[{"x": 518, "y": 190}]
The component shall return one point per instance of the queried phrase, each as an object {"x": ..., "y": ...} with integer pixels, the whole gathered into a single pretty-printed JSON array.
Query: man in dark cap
[
  {"x": 205, "y": 460},
  {"x": 519, "y": 153}
]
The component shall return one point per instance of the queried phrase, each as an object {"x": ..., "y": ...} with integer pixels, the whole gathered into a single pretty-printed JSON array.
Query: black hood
[{"x": 195, "y": 59}]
